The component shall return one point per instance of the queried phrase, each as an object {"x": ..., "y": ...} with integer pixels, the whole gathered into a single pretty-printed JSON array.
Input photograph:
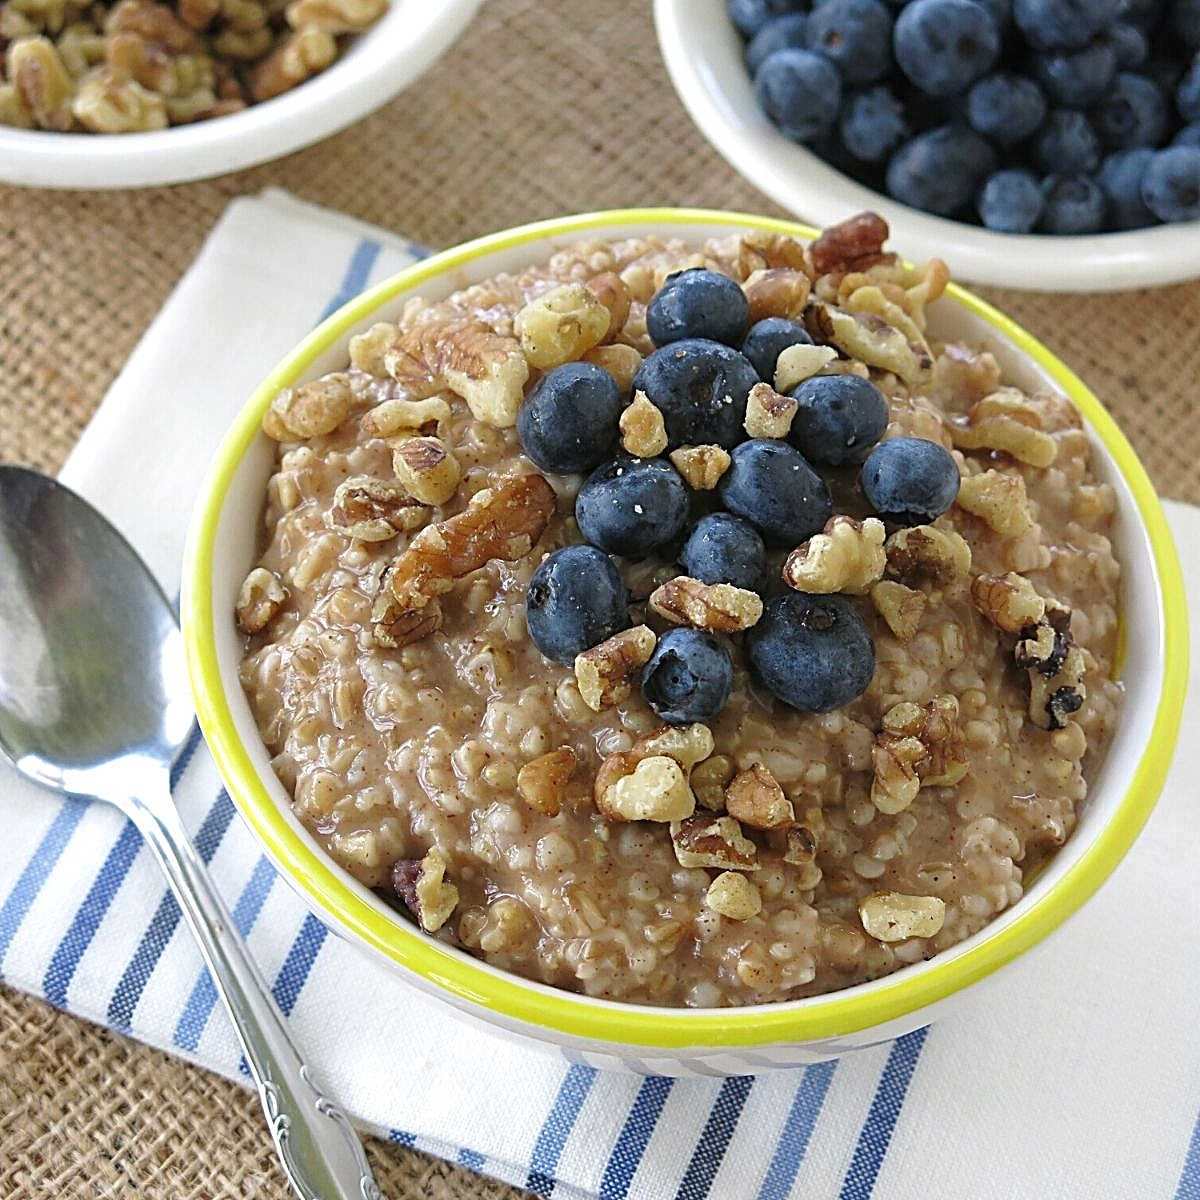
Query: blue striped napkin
[{"x": 1077, "y": 1074}]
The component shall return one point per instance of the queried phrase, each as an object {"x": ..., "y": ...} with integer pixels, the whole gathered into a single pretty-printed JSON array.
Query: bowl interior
[
  {"x": 223, "y": 548},
  {"x": 703, "y": 54}
]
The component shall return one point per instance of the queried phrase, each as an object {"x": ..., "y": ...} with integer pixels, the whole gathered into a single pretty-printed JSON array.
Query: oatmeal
[{"x": 735, "y": 670}]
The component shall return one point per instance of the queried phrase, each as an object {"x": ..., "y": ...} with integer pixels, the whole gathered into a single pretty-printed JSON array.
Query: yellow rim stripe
[{"x": 326, "y": 889}]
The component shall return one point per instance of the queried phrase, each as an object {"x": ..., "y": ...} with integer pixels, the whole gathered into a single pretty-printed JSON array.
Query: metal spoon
[{"x": 94, "y": 702}]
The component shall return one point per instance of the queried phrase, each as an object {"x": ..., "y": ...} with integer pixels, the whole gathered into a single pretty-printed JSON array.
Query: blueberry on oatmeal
[
  {"x": 689, "y": 677},
  {"x": 722, "y": 548},
  {"x": 771, "y": 485},
  {"x": 575, "y": 601},
  {"x": 568, "y": 423},
  {"x": 838, "y": 419},
  {"x": 698, "y": 303},
  {"x": 768, "y": 339},
  {"x": 909, "y": 480},
  {"x": 630, "y": 506}
]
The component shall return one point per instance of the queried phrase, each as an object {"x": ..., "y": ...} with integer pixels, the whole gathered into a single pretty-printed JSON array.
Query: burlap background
[{"x": 541, "y": 109}]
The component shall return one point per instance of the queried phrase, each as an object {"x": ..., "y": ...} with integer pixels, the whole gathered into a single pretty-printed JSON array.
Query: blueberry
[
  {"x": 575, "y": 601},
  {"x": 723, "y": 548},
  {"x": 698, "y": 304},
  {"x": 1187, "y": 93},
  {"x": 1074, "y": 204},
  {"x": 688, "y": 678},
  {"x": 1064, "y": 24},
  {"x": 839, "y": 419},
  {"x": 1171, "y": 186},
  {"x": 1011, "y": 202},
  {"x": 701, "y": 389},
  {"x": 1067, "y": 144},
  {"x": 1185, "y": 22},
  {"x": 854, "y": 34},
  {"x": 1120, "y": 180},
  {"x": 780, "y": 33},
  {"x": 768, "y": 339},
  {"x": 873, "y": 124},
  {"x": 1001, "y": 11},
  {"x": 569, "y": 421},
  {"x": 801, "y": 92},
  {"x": 1189, "y": 135},
  {"x": 771, "y": 485},
  {"x": 1006, "y": 108},
  {"x": 749, "y": 16},
  {"x": 1165, "y": 71},
  {"x": 943, "y": 46},
  {"x": 1077, "y": 77},
  {"x": 1129, "y": 44},
  {"x": 939, "y": 171},
  {"x": 1145, "y": 14},
  {"x": 910, "y": 480},
  {"x": 812, "y": 652},
  {"x": 629, "y": 506},
  {"x": 1133, "y": 113}
]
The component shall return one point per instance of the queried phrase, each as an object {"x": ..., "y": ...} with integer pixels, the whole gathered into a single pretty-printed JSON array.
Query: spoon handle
[{"x": 318, "y": 1148}]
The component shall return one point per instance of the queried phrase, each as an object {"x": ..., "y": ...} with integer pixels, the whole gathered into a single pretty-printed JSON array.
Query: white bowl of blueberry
[{"x": 1050, "y": 144}]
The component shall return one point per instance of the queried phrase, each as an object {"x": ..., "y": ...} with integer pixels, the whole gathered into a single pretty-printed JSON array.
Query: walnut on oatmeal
[
  {"x": 896, "y": 917},
  {"x": 1056, "y": 668},
  {"x": 768, "y": 413},
  {"x": 709, "y": 780},
  {"x": 619, "y": 360},
  {"x": 1005, "y": 421},
  {"x": 1009, "y": 601},
  {"x": 920, "y": 745},
  {"x": 561, "y": 325},
  {"x": 776, "y": 292},
  {"x": 688, "y": 745},
  {"x": 708, "y": 841},
  {"x": 999, "y": 499},
  {"x": 869, "y": 339},
  {"x": 311, "y": 409},
  {"x": 260, "y": 599},
  {"x": 701, "y": 466},
  {"x": 851, "y": 245},
  {"x": 374, "y": 510},
  {"x": 755, "y": 798},
  {"x": 930, "y": 554},
  {"x": 797, "y": 363},
  {"x": 605, "y": 673},
  {"x": 716, "y": 607},
  {"x": 900, "y": 606},
  {"x": 401, "y": 417},
  {"x": 428, "y": 469},
  {"x": 655, "y": 790},
  {"x": 423, "y": 887},
  {"x": 847, "y": 557},
  {"x": 643, "y": 431},
  {"x": 734, "y": 896},
  {"x": 612, "y": 293},
  {"x": 541, "y": 782}
]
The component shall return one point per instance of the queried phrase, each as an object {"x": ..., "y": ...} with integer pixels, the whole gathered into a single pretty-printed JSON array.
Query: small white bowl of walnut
[{"x": 197, "y": 88}]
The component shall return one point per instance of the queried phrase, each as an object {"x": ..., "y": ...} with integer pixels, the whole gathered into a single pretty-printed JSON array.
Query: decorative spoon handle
[{"x": 320, "y": 1152}]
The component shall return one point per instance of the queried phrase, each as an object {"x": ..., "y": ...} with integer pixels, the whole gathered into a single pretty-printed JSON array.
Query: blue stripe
[
  {"x": 204, "y": 994},
  {"x": 1189, "y": 1180},
  {"x": 37, "y": 870},
  {"x": 797, "y": 1130},
  {"x": 471, "y": 1159},
  {"x": 402, "y": 1137},
  {"x": 876, "y": 1132},
  {"x": 714, "y": 1141},
  {"x": 180, "y": 765},
  {"x": 294, "y": 972},
  {"x": 631, "y": 1144},
  {"x": 357, "y": 273},
  {"x": 163, "y": 924},
  {"x": 90, "y": 913},
  {"x": 557, "y": 1128}
]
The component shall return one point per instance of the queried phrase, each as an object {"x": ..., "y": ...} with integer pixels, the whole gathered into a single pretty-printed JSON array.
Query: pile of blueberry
[
  {"x": 812, "y": 652},
  {"x": 1054, "y": 116}
]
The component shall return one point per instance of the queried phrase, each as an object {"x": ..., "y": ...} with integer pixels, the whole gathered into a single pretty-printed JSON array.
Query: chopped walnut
[
  {"x": 901, "y": 607},
  {"x": 701, "y": 466},
  {"x": 301, "y": 55},
  {"x": 369, "y": 348},
  {"x": 374, "y": 510},
  {"x": 797, "y": 363},
  {"x": 920, "y": 745},
  {"x": 541, "y": 782},
  {"x": 561, "y": 325},
  {"x": 716, "y": 607},
  {"x": 428, "y": 468},
  {"x": 895, "y": 917},
  {"x": 686, "y": 744},
  {"x": 620, "y": 361},
  {"x": 707, "y": 841},
  {"x": 643, "y": 431},
  {"x": 1056, "y": 668},
  {"x": 734, "y": 896},
  {"x": 606, "y": 673},
  {"x": 759, "y": 249},
  {"x": 999, "y": 500},
  {"x": 401, "y": 416},
  {"x": 869, "y": 298},
  {"x": 964, "y": 371},
  {"x": 756, "y": 799},
  {"x": 709, "y": 780},
  {"x": 776, "y": 292},
  {"x": 107, "y": 102},
  {"x": 1009, "y": 601},
  {"x": 394, "y": 626},
  {"x": 311, "y": 409},
  {"x": 895, "y": 785},
  {"x": 423, "y": 887},
  {"x": 1005, "y": 421},
  {"x": 335, "y": 16},
  {"x": 850, "y": 245},
  {"x": 261, "y": 597},
  {"x": 42, "y": 82},
  {"x": 655, "y": 790},
  {"x": 847, "y": 557},
  {"x": 611, "y": 291},
  {"x": 769, "y": 414},
  {"x": 870, "y": 339},
  {"x": 927, "y": 553},
  {"x": 801, "y": 846}
]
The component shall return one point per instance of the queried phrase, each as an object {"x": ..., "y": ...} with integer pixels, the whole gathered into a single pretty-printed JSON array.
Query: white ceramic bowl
[
  {"x": 703, "y": 53},
  {"x": 223, "y": 544},
  {"x": 377, "y": 65}
]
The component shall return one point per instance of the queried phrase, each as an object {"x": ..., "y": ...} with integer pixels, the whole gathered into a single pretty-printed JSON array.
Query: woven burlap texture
[{"x": 540, "y": 109}]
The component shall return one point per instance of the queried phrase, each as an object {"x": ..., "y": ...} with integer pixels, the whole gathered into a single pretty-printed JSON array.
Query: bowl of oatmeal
[
  {"x": 137, "y": 93},
  {"x": 685, "y": 639}
]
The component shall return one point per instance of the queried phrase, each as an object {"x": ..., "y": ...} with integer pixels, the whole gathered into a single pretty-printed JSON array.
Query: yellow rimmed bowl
[{"x": 222, "y": 547}]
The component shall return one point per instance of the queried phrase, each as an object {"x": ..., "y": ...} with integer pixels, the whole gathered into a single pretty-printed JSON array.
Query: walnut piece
[
  {"x": 709, "y": 780},
  {"x": 895, "y": 917},
  {"x": 394, "y": 626},
  {"x": 606, "y": 673},
  {"x": 999, "y": 500},
  {"x": 643, "y": 431},
  {"x": 701, "y": 466},
  {"x": 925, "y": 553},
  {"x": 656, "y": 790},
  {"x": 374, "y": 510},
  {"x": 901, "y": 607},
  {"x": 541, "y": 782},
  {"x": 261, "y": 597},
  {"x": 423, "y": 888},
  {"x": 1005, "y": 421},
  {"x": 311, "y": 409},
  {"x": 335, "y": 16},
  {"x": 801, "y": 846},
  {"x": 611, "y": 291},
  {"x": 870, "y": 339},
  {"x": 850, "y": 245},
  {"x": 716, "y": 607},
  {"x": 402, "y": 416},
  {"x": 734, "y": 896},
  {"x": 301, "y": 55},
  {"x": 1056, "y": 668},
  {"x": 776, "y": 292},
  {"x": 428, "y": 468},
  {"x": 769, "y": 414},
  {"x": 797, "y": 363},
  {"x": 756, "y": 799},
  {"x": 41, "y": 82},
  {"x": 108, "y": 102},
  {"x": 1009, "y": 601},
  {"x": 847, "y": 557},
  {"x": 561, "y": 325},
  {"x": 707, "y": 841},
  {"x": 620, "y": 361},
  {"x": 920, "y": 745},
  {"x": 759, "y": 249},
  {"x": 686, "y": 744}
]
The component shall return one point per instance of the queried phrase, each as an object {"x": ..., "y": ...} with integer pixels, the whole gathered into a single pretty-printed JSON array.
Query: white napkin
[{"x": 1075, "y": 1074}]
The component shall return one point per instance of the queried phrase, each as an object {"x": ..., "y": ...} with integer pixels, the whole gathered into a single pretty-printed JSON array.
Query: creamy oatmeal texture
[{"x": 440, "y": 758}]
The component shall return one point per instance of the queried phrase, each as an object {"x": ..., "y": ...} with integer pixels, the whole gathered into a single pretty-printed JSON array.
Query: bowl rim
[{"x": 321, "y": 882}]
